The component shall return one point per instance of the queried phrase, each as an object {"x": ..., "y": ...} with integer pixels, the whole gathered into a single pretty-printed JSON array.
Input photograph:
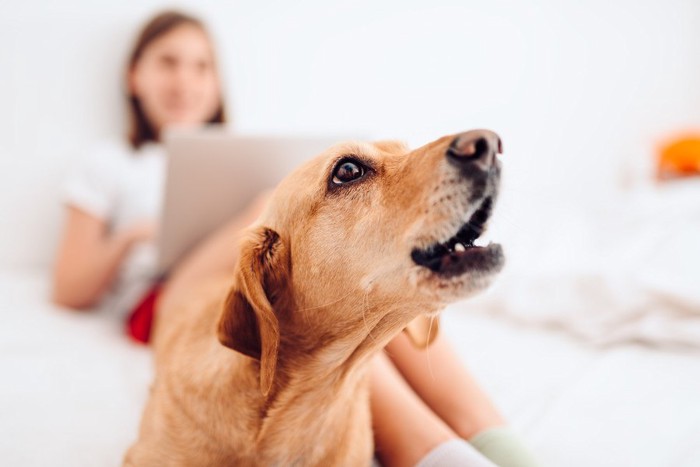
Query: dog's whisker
[
  {"x": 427, "y": 350},
  {"x": 364, "y": 316},
  {"x": 302, "y": 310}
]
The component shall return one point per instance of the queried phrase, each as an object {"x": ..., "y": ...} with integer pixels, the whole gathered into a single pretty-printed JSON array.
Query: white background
[{"x": 581, "y": 92}]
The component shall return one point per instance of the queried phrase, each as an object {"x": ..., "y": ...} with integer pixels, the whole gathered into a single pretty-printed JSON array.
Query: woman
[
  {"x": 107, "y": 255},
  {"x": 114, "y": 198}
]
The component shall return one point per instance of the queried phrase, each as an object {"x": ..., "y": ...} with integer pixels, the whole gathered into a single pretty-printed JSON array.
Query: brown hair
[{"x": 140, "y": 129}]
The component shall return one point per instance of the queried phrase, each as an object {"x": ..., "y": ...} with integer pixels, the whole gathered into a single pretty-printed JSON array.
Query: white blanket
[{"x": 627, "y": 272}]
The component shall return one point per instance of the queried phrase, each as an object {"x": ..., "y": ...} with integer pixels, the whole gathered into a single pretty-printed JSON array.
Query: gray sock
[
  {"x": 504, "y": 447},
  {"x": 454, "y": 453}
]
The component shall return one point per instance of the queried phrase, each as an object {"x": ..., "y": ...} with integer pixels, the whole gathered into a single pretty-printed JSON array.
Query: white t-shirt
[{"x": 123, "y": 186}]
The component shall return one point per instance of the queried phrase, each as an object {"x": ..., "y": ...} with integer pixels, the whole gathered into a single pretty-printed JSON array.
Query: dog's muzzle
[{"x": 473, "y": 153}]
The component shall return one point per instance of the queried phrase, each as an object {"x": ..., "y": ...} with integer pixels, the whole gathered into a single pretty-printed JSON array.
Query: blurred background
[{"x": 580, "y": 92}]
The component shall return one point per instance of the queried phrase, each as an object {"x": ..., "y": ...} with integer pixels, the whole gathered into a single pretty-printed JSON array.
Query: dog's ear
[
  {"x": 423, "y": 330},
  {"x": 248, "y": 323}
]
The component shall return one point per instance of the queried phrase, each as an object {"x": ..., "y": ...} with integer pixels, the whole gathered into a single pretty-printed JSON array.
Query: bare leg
[
  {"x": 442, "y": 381},
  {"x": 405, "y": 429}
]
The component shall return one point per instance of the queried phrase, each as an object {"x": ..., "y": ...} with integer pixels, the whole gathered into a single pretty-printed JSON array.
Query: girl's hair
[{"x": 140, "y": 129}]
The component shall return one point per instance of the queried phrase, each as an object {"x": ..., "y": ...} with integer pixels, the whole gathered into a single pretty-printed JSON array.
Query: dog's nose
[{"x": 475, "y": 148}]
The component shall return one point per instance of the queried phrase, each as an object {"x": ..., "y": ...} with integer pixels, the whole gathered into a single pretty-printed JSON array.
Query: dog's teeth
[
  {"x": 459, "y": 247},
  {"x": 481, "y": 242}
]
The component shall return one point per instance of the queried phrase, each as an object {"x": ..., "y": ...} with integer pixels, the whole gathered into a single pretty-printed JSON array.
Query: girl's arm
[{"x": 89, "y": 257}]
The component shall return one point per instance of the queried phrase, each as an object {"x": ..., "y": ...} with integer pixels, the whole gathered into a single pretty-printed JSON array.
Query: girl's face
[{"x": 175, "y": 79}]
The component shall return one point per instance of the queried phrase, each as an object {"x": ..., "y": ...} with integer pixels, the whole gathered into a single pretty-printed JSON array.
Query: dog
[{"x": 270, "y": 368}]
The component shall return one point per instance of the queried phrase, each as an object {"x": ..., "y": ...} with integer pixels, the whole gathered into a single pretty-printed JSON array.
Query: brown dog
[{"x": 352, "y": 247}]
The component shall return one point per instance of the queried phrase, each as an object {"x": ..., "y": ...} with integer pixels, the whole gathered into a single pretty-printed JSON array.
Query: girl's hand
[{"x": 89, "y": 257}]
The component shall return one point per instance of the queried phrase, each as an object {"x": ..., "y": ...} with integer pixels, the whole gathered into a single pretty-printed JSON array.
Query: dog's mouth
[{"x": 460, "y": 253}]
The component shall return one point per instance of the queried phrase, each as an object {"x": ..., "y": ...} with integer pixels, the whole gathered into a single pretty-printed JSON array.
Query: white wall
[{"x": 577, "y": 90}]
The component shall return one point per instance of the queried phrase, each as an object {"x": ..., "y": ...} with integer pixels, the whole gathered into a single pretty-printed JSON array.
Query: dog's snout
[{"x": 476, "y": 147}]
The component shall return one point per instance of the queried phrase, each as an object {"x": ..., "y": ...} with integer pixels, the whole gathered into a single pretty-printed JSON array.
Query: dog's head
[{"x": 364, "y": 239}]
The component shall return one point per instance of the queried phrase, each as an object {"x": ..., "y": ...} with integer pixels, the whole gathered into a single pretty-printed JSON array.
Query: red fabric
[{"x": 140, "y": 321}]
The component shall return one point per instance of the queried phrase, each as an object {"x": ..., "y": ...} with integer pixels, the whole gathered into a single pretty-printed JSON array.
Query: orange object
[{"x": 680, "y": 157}]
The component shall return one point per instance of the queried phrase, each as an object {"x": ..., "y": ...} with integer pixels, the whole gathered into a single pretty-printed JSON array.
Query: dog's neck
[
  {"x": 341, "y": 351},
  {"x": 322, "y": 384}
]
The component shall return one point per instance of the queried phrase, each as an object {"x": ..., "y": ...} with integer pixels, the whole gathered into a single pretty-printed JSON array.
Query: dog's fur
[{"x": 324, "y": 280}]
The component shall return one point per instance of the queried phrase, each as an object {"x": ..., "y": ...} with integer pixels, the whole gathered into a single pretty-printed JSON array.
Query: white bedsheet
[
  {"x": 72, "y": 384},
  {"x": 628, "y": 271},
  {"x": 73, "y": 387}
]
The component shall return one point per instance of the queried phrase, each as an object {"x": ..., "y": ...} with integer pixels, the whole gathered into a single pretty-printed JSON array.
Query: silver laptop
[{"x": 212, "y": 175}]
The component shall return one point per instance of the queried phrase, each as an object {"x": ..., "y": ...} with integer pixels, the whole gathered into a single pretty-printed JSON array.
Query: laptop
[{"x": 213, "y": 174}]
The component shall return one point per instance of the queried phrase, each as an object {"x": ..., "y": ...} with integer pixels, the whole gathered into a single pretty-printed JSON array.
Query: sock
[
  {"x": 504, "y": 447},
  {"x": 453, "y": 453}
]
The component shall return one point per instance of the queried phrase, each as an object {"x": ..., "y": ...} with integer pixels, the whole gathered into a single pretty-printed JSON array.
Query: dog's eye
[{"x": 346, "y": 171}]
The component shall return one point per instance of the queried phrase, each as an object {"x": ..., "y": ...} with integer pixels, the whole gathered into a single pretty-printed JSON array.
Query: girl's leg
[
  {"x": 405, "y": 429},
  {"x": 441, "y": 380},
  {"x": 442, "y": 383}
]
